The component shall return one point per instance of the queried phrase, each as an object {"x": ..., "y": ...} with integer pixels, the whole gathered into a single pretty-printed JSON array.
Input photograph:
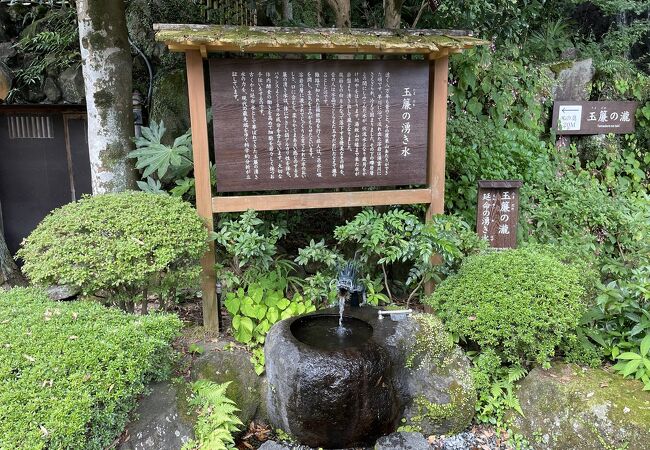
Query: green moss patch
[
  {"x": 431, "y": 341},
  {"x": 71, "y": 372},
  {"x": 453, "y": 414},
  {"x": 571, "y": 407}
]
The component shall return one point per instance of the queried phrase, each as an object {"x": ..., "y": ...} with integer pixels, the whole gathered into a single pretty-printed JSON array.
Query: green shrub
[
  {"x": 246, "y": 248},
  {"x": 70, "y": 372},
  {"x": 117, "y": 245},
  {"x": 521, "y": 303}
]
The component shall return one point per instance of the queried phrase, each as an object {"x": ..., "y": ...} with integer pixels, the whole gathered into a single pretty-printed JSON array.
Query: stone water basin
[{"x": 329, "y": 389}]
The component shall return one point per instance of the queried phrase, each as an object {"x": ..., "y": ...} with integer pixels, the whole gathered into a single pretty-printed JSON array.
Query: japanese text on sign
[
  {"x": 299, "y": 124},
  {"x": 498, "y": 212},
  {"x": 593, "y": 117}
]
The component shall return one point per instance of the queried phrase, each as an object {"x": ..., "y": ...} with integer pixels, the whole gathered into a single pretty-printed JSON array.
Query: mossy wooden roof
[{"x": 220, "y": 38}]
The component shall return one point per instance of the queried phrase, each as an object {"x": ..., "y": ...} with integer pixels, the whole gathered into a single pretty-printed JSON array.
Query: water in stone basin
[{"x": 322, "y": 331}]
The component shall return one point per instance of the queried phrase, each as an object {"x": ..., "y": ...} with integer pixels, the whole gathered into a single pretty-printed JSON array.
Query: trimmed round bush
[
  {"x": 117, "y": 244},
  {"x": 70, "y": 372},
  {"x": 521, "y": 303}
]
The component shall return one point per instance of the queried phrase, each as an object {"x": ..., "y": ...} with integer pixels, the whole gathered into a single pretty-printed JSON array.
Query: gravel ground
[{"x": 478, "y": 437}]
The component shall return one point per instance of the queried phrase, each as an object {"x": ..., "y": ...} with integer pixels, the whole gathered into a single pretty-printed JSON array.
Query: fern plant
[
  {"x": 52, "y": 44},
  {"x": 495, "y": 385},
  {"x": 216, "y": 421}
]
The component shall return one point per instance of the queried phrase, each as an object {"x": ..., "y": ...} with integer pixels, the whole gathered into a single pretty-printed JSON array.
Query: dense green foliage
[
  {"x": 396, "y": 238},
  {"x": 247, "y": 248},
  {"x": 620, "y": 324},
  {"x": 166, "y": 168},
  {"x": 117, "y": 245},
  {"x": 511, "y": 308},
  {"x": 520, "y": 303},
  {"x": 578, "y": 211},
  {"x": 50, "y": 44},
  {"x": 217, "y": 419},
  {"x": 71, "y": 372},
  {"x": 257, "y": 308}
]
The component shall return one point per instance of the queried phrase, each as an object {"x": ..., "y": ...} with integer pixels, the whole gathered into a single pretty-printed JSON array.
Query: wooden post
[
  {"x": 438, "y": 79},
  {"x": 200, "y": 149}
]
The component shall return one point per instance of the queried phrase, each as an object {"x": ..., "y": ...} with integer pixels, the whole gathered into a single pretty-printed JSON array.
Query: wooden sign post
[
  {"x": 571, "y": 118},
  {"x": 303, "y": 124},
  {"x": 497, "y": 212}
]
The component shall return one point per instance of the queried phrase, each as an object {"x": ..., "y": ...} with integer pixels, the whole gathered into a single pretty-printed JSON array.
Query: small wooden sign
[
  {"x": 498, "y": 212},
  {"x": 304, "y": 124},
  {"x": 593, "y": 117}
]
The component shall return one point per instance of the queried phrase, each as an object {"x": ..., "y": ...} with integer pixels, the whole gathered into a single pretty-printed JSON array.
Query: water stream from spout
[{"x": 341, "y": 328}]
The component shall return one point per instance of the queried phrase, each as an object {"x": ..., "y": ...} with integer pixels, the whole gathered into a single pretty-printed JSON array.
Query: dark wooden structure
[
  {"x": 497, "y": 213},
  {"x": 584, "y": 118},
  {"x": 44, "y": 164},
  {"x": 196, "y": 41}
]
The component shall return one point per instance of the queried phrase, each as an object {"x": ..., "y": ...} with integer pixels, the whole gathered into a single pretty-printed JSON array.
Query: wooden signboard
[
  {"x": 305, "y": 124},
  {"x": 498, "y": 212},
  {"x": 593, "y": 117},
  {"x": 328, "y": 123}
]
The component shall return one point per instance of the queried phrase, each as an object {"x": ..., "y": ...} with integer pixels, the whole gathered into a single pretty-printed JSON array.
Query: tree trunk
[
  {"x": 9, "y": 273},
  {"x": 107, "y": 66},
  {"x": 393, "y": 13},
  {"x": 341, "y": 10},
  {"x": 319, "y": 13},
  {"x": 287, "y": 11},
  {"x": 144, "y": 305}
]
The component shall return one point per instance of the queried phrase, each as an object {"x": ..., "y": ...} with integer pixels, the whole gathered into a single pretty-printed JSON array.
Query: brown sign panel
[
  {"x": 593, "y": 117},
  {"x": 498, "y": 212},
  {"x": 303, "y": 124}
]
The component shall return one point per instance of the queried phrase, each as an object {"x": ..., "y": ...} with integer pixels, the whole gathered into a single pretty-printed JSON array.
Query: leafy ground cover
[{"x": 71, "y": 372}]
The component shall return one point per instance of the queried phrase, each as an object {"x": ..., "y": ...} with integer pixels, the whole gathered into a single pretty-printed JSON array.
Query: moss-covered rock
[
  {"x": 232, "y": 365},
  {"x": 170, "y": 103},
  {"x": 433, "y": 375},
  {"x": 573, "y": 80},
  {"x": 568, "y": 407}
]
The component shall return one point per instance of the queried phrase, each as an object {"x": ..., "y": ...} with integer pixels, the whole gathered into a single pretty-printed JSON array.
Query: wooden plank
[
  {"x": 199, "y": 123},
  {"x": 438, "y": 79},
  {"x": 312, "y": 124},
  {"x": 204, "y": 29},
  {"x": 497, "y": 213},
  {"x": 577, "y": 117},
  {"x": 308, "y": 49},
  {"x": 320, "y": 200}
]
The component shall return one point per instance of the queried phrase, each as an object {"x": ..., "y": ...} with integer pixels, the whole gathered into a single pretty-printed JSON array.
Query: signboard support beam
[
  {"x": 437, "y": 133},
  {"x": 199, "y": 124},
  {"x": 277, "y": 202}
]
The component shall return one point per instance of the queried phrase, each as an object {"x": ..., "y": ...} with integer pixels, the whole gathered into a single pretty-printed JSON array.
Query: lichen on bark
[{"x": 106, "y": 62}]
